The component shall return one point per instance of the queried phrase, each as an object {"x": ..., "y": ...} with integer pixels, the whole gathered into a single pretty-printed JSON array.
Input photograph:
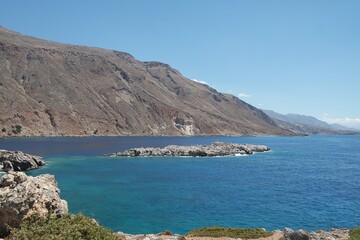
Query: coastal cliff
[
  {"x": 24, "y": 197},
  {"x": 53, "y": 89}
]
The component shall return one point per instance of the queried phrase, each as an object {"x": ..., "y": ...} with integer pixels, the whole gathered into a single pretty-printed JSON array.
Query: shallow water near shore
[{"x": 304, "y": 182}]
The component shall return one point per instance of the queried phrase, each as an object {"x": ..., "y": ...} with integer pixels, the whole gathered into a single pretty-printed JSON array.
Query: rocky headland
[
  {"x": 19, "y": 161},
  {"x": 212, "y": 150},
  {"x": 24, "y": 197}
]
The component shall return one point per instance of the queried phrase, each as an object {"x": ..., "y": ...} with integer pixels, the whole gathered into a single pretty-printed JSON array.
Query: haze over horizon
[{"x": 290, "y": 57}]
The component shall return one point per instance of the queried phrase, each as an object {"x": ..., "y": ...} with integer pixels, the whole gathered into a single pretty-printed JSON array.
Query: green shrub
[
  {"x": 16, "y": 129},
  {"x": 245, "y": 233},
  {"x": 3, "y": 129},
  {"x": 355, "y": 234},
  {"x": 67, "y": 227}
]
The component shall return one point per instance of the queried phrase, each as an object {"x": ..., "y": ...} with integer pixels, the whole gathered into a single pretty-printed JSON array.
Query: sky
[{"x": 284, "y": 55}]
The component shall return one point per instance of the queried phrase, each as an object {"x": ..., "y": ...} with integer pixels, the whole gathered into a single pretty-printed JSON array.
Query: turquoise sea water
[{"x": 304, "y": 182}]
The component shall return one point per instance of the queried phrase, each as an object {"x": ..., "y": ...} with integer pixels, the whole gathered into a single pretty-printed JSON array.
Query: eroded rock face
[
  {"x": 212, "y": 150},
  {"x": 23, "y": 197},
  {"x": 333, "y": 234},
  {"x": 19, "y": 161}
]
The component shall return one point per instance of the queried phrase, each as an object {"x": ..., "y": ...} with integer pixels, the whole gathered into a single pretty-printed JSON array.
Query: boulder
[
  {"x": 19, "y": 161},
  {"x": 289, "y": 234},
  {"x": 25, "y": 197}
]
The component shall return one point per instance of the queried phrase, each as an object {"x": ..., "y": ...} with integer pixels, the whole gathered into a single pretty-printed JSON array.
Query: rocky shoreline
[
  {"x": 23, "y": 197},
  {"x": 286, "y": 234},
  {"x": 213, "y": 150},
  {"x": 19, "y": 161}
]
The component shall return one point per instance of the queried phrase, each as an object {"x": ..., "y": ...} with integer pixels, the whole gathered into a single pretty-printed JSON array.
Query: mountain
[
  {"x": 308, "y": 124},
  {"x": 51, "y": 89}
]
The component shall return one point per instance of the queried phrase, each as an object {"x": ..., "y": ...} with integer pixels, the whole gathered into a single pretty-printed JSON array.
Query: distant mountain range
[
  {"x": 54, "y": 89},
  {"x": 308, "y": 124}
]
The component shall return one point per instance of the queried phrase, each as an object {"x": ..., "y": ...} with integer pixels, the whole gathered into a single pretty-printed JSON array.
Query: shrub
[
  {"x": 3, "y": 129},
  {"x": 245, "y": 233},
  {"x": 67, "y": 227},
  {"x": 166, "y": 233},
  {"x": 355, "y": 234},
  {"x": 16, "y": 129}
]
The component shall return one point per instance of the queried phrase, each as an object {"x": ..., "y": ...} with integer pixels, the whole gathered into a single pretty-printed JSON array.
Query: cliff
[
  {"x": 52, "y": 89},
  {"x": 23, "y": 197}
]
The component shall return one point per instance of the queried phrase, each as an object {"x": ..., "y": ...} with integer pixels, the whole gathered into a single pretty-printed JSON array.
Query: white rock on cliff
[{"x": 23, "y": 197}]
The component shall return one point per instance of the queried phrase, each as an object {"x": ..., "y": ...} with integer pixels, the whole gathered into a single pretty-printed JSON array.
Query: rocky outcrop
[
  {"x": 150, "y": 236},
  {"x": 23, "y": 197},
  {"x": 48, "y": 88},
  {"x": 19, "y": 161},
  {"x": 333, "y": 234},
  {"x": 287, "y": 234},
  {"x": 212, "y": 150}
]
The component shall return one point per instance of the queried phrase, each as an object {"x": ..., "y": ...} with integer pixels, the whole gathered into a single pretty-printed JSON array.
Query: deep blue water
[{"x": 304, "y": 182}]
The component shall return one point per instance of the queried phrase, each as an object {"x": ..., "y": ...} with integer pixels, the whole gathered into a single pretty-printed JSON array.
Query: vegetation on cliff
[
  {"x": 355, "y": 234},
  {"x": 244, "y": 233},
  {"x": 67, "y": 227}
]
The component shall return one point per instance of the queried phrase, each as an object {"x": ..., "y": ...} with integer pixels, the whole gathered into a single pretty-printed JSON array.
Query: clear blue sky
[{"x": 285, "y": 55}]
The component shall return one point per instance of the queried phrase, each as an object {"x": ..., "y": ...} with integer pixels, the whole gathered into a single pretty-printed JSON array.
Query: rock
[
  {"x": 287, "y": 232},
  {"x": 20, "y": 177},
  {"x": 23, "y": 197},
  {"x": 7, "y": 166},
  {"x": 149, "y": 236},
  {"x": 19, "y": 161},
  {"x": 334, "y": 234},
  {"x": 297, "y": 235},
  {"x": 214, "y": 149}
]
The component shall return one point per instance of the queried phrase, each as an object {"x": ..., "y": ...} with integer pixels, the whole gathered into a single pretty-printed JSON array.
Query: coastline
[{"x": 278, "y": 225}]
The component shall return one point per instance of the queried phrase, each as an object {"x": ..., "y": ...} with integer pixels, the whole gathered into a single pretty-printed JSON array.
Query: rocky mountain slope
[
  {"x": 303, "y": 124},
  {"x": 48, "y": 88}
]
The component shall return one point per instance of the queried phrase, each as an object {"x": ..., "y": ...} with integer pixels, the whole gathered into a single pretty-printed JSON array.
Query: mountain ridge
[
  {"x": 308, "y": 124},
  {"x": 54, "y": 89}
]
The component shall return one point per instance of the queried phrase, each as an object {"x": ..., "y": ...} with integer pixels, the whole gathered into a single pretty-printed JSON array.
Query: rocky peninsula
[
  {"x": 19, "y": 161},
  {"x": 213, "y": 150}
]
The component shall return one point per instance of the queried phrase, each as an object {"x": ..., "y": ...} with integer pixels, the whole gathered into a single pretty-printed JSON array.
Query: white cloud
[
  {"x": 244, "y": 95},
  {"x": 346, "y": 121},
  {"x": 199, "y": 81}
]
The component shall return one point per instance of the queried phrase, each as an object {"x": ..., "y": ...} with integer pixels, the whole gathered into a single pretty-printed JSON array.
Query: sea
[{"x": 308, "y": 182}]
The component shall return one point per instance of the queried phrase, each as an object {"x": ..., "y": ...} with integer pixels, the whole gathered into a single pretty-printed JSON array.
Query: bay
[{"x": 304, "y": 182}]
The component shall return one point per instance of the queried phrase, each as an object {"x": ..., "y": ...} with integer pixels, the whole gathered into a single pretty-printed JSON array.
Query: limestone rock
[
  {"x": 149, "y": 236},
  {"x": 19, "y": 161},
  {"x": 333, "y": 234},
  {"x": 23, "y": 197},
  {"x": 214, "y": 149}
]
